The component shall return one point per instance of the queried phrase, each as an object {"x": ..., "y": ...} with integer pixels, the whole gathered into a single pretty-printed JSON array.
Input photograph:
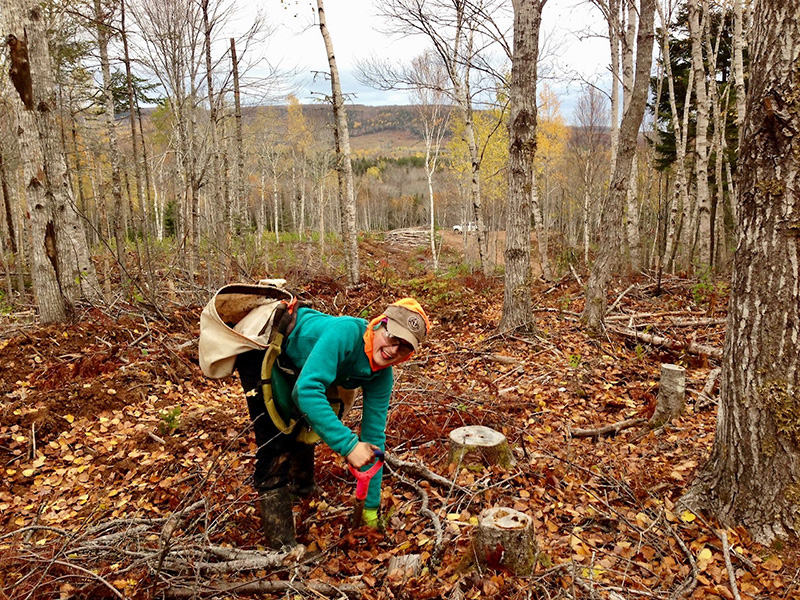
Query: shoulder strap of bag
[{"x": 283, "y": 327}]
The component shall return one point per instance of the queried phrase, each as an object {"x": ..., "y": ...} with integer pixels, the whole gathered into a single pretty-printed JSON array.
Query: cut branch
[
  {"x": 421, "y": 471},
  {"x": 655, "y": 340},
  {"x": 267, "y": 587},
  {"x": 608, "y": 430}
]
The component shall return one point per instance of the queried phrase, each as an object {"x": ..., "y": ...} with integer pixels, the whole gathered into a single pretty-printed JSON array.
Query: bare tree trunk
[
  {"x": 142, "y": 191},
  {"x": 631, "y": 201},
  {"x": 738, "y": 63},
  {"x": 345, "y": 166},
  {"x": 10, "y": 227},
  {"x": 113, "y": 148},
  {"x": 596, "y": 288},
  {"x": 541, "y": 232},
  {"x": 696, "y": 28},
  {"x": 753, "y": 475},
  {"x": 241, "y": 191},
  {"x": 521, "y": 175},
  {"x": 680, "y": 196},
  {"x": 61, "y": 269}
]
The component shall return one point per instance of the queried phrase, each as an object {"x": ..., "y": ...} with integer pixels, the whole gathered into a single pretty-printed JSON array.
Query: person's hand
[{"x": 363, "y": 454}]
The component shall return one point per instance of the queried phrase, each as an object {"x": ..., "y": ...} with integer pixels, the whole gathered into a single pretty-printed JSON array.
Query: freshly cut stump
[
  {"x": 476, "y": 444},
  {"x": 505, "y": 538},
  {"x": 671, "y": 395}
]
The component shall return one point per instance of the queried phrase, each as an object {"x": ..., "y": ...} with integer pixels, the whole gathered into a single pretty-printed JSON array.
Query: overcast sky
[{"x": 356, "y": 33}]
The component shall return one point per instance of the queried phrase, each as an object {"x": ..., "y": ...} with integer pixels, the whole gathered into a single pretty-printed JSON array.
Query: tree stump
[
  {"x": 476, "y": 444},
  {"x": 671, "y": 395},
  {"x": 505, "y": 538}
]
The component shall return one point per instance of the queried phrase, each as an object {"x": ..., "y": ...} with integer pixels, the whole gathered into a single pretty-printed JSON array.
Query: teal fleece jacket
[{"x": 327, "y": 351}]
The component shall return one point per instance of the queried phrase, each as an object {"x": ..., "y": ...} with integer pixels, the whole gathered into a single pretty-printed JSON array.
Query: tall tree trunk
[
  {"x": 612, "y": 9},
  {"x": 521, "y": 154},
  {"x": 696, "y": 28},
  {"x": 738, "y": 63},
  {"x": 631, "y": 206},
  {"x": 753, "y": 475},
  {"x": 113, "y": 148},
  {"x": 680, "y": 197},
  {"x": 218, "y": 217},
  {"x": 241, "y": 191},
  {"x": 142, "y": 193},
  {"x": 541, "y": 232},
  {"x": 61, "y": 269},
  {"x": 596, "y": 288},
  {"x": 11, "y": 229},
  {"x": 345, "y": 166}
]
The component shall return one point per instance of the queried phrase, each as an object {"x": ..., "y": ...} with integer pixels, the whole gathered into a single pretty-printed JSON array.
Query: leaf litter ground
[{"x": 126, "y": 472}]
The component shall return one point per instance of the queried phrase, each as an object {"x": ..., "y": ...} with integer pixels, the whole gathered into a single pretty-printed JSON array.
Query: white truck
[{"x": 468, "y": 227}]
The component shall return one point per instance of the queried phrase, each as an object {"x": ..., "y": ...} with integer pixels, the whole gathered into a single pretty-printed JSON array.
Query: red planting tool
[{"x": 362, "y": 485}]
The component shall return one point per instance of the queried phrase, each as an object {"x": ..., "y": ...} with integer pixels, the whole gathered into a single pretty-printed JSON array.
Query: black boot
[
  {"x": 277, "y": 520},
  {"x": 301, "y": 470}
]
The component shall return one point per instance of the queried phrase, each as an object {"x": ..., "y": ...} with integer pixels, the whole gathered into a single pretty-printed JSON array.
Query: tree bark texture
[
  {"x": 103, "y": 16},
  {"x": 347, "y": 190},
  {"x": 61, "y": 269},
  {"x": 753, "y": 475},
  {"x": 597, "y": 286},
  {"x": 703, "y": 232},
  {"x": 521, "y": 154},
  {"x": 671, "y": 395},
  {"x": 505, "y": 538}
]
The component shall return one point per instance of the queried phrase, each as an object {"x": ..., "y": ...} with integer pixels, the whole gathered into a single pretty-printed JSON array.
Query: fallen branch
[
  {"x": 731, "y": 573},
  {"x": 687, "y": 346},
  {"x": 421, "y": 471},
  {"x": 666, "y": 313},
  {"x": 620, "y": 297},
  {"x": 267, "y": 587},
  {"x": 684, "y": 323},
  {"x": 606, "y": 431},
  {"x": 425, "y": 511},
  {"x": 704, "y": 398},
  {"x": 687, "y": 586},
  {"x": 232, "y": 560}
]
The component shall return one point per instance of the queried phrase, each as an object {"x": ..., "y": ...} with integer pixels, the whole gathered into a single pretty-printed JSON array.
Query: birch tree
[
  {"x": 588, "y": 144},
  {"x": 451, "y": 27},
  {"x": 752, "y": 477},
  {"x": 344, "y": 164},
  {"x": 611, "y": 220},
  {"x": 61, "y": 269},
  {"x": 432, "y": 105},
  {"x": 103, "y": 17},
  {"x": 697, "y": 26}
]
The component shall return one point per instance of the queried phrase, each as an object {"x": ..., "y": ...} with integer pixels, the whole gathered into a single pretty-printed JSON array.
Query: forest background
[{"x": 136, "y": 181}]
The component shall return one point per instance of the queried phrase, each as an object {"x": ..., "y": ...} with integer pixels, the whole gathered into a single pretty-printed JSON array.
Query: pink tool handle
[{"x": 364, "y": 477}]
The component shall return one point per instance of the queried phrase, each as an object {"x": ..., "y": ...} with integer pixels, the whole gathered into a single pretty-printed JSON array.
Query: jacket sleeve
[
  {"x": 320, "y": 371},
  {"x": 373, "y": 426}
]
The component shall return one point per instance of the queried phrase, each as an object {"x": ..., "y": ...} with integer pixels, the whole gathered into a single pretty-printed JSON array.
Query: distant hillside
[{"x": 384, "y": 130}]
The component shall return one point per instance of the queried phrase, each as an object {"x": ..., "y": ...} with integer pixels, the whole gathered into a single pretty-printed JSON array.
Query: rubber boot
[
  {"x": 301, "y": 470},
  {"x": 277, "y": 520}
]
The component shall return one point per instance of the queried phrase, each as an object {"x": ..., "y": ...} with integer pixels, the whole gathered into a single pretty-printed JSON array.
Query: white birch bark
[
  {"x": 703, "y": 231},
  {"x": 752, "y": 478},
  {"x": 61, "y": 268},
  {"x": 596, "y": 288},
  {"x": 680, "y": 196},
  {"x": 346, "y": 186}
]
